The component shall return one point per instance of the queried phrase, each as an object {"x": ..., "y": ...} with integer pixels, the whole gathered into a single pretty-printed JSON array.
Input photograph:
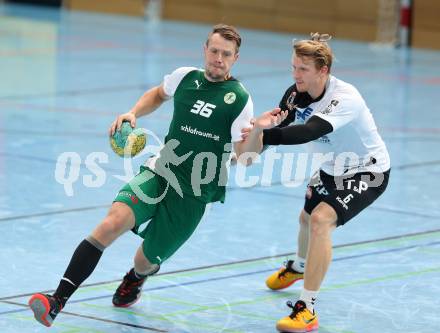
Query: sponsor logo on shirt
[
  {"x": 230, "y": 98},
  {"x": 303, "y": 115},
  {"x": 195, "y": 131},
  {"x": 324, "y": 139},
  {"x": 329, "y": 107},
  {"x": 197, "y": 83},
  {"x": 291, "y": 101},
  {"x": 134, "y": 199},
  {"x": 362, "y": 164}
]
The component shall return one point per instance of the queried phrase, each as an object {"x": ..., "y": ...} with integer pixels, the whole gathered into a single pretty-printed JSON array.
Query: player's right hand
[
  {"x": 270, "y": 118},
  {"x": 116, "y": 125}
]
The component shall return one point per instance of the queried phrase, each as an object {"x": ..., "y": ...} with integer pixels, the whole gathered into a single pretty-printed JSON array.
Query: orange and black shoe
[
  {"x": 45, "y": 308},
  {"x": 128, "y": 292},
  {"x": 300, "y": 320},
  {"x": 284, "y": 277}
]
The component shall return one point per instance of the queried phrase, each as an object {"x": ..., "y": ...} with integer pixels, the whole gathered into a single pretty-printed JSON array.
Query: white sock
[
  {"x": 299, "y": 264},
  {"x": 309, "y": 297}
]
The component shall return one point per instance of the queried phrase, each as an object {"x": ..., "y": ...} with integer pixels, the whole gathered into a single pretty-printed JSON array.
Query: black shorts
[{"x": 347, "y": 195}]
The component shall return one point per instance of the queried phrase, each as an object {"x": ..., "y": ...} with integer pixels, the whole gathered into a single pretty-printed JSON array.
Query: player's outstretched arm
[{"x": 253, "y": 144}]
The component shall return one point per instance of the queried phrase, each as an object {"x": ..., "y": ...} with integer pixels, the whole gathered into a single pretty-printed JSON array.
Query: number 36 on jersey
[{"x": 202, "y": 108}]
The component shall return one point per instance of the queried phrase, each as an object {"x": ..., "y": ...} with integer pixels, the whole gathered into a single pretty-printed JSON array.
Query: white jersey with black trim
[{"x": 355, "y": 144}]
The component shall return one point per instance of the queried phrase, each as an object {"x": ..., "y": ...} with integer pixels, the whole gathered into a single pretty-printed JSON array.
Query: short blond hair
[
  {"x": 228, "y": 32},
  {"x": 315, "y": 48}
]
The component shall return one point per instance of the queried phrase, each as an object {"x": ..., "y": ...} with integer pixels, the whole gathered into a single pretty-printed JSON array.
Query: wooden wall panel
[
  {"x": 191, "y": 11},
  {"x": 425, "y": 24},
  {"x": 341, "y": 18},
  {"x": 426, "y": 39},
  {"x": 349, "y": 30},
  {"x": 359, "y": 10},
  {"x": 426, "y": 15},
  {"x": 123, "y": 7}
]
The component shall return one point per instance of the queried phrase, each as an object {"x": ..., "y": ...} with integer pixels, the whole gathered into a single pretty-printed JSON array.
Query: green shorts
[{"x": 163, "y": 218}]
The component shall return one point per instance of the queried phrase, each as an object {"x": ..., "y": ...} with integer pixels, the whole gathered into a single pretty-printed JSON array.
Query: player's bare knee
[
  {"x": 105, "y": 232},
  {"x": 120, "y": 218},
  {"x": 320, "y": 224},
  {"x": 111, "y": 227}
]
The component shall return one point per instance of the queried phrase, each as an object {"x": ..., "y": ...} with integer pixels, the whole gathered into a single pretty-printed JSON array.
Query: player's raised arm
[{"x": 254, "y": 140}]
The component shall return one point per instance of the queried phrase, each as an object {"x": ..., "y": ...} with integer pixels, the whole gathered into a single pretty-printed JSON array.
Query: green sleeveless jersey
[{"x": 208, "y": 117}]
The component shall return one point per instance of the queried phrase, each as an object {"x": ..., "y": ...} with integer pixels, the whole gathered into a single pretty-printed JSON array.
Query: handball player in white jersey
[{"x": 332, "y": 118}]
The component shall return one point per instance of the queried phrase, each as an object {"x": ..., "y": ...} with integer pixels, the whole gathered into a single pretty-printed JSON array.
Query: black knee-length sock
[{"x": 83, "y": 263}]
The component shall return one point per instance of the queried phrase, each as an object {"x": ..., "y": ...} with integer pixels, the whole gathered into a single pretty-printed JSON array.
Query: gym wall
[
  {"x": 123, "y": 7},
  {"x": 425, "y": 30},
  {"x": 358, "y": 20},
  {"x": 364, "y": 20}
]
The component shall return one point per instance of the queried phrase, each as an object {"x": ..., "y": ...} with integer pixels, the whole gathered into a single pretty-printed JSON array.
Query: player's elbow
[{"x": 160, "y": 94}]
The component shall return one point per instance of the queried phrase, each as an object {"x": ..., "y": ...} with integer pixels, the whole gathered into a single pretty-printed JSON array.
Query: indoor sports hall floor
[{"x": 63, "y": 79}]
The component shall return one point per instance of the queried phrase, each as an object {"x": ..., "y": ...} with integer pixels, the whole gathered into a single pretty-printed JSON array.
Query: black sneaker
[
  {"x": 45, "y": 308},
  {"x": 128, "y": 292}
]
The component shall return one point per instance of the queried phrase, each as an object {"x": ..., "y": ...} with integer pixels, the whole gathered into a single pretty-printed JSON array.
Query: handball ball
[{"x": 128, "y": 141}]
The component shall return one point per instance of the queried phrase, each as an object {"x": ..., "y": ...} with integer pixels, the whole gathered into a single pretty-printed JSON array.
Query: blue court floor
[{"x": 65, "y": 76}]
